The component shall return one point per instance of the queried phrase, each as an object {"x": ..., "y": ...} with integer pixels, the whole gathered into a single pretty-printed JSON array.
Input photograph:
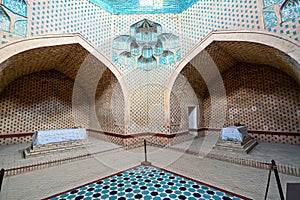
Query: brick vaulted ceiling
[
  {"x": 228, "y": 54},
  {"x": 66, "y": 59},
  {"x": 254, "y": 53}
]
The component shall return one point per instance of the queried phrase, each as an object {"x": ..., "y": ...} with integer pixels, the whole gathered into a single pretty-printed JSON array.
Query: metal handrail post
[
  {"x": 268, "y": 184},
  {"x": 145, "y": 149},
  {"x": 277, "y": 180},
  {"x": 2, "y": 172}
]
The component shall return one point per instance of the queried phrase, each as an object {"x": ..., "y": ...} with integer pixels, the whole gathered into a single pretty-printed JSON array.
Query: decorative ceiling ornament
[
  {"x": 146, "y": 47},
  {"x": 18, "y": 7},
  {"x": 13, "y": 16}
]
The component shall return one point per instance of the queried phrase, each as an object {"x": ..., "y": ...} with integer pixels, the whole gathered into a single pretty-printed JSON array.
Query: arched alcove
[
  {"x": 240, "y": 65},
  {"x": 70, "y": 58}
]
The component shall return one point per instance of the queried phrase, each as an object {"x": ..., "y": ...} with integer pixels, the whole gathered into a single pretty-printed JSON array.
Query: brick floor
[
  {"x": 282, "y": 153},
  {"x": 12, "y": 155},
  {"x": 247, "y": 181}
]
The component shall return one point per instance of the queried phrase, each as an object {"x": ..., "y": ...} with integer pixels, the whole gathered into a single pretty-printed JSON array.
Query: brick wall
[
  {"x": 261, "y": 97},
  {"x": 109, "y": 105},
  {"x": 40, "y": 101}
]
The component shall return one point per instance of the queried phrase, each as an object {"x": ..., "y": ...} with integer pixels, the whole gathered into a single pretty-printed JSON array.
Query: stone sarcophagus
[
  {"x": 236, "y": 139},
  {"x": 51, "y": 141},
  {"x": 234, "y": 133},
  {"x": 60, "y": 135}
]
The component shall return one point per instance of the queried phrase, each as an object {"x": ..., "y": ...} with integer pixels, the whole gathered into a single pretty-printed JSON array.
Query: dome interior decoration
[
  {"x": 146, "y": 47},
  {"x": 144, "y": 6}
]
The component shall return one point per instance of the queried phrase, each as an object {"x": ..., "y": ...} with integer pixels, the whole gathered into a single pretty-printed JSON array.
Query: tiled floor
[
  {"x": 243, "y": 180},
  {"x": 145, "y": 182}
]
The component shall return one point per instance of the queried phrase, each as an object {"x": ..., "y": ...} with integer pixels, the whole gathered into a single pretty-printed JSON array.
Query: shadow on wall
[{"x": 109, "y": 105}]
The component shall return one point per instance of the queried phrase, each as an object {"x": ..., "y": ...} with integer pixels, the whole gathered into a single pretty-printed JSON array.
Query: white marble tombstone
[
  {"x": 59, "y": 135},
  {"x": 234, "y": 133}
]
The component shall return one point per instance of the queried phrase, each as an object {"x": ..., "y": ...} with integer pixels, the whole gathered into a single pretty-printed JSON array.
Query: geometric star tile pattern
[{"x": 145, "y": 182}]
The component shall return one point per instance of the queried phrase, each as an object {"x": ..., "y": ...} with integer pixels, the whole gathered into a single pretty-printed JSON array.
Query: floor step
[
  {"x": 30, "y": 152},
  {"x": 250, "y": 145},
  {"x": 236, "y": 147}
]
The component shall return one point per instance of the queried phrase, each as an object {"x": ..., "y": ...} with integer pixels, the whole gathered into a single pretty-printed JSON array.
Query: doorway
[{"x": 192, "y": 113}]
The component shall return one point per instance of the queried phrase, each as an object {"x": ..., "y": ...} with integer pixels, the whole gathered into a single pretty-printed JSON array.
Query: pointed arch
[
  {"x": 89, "y": 66},
  {"x": 284, "y": 45}
]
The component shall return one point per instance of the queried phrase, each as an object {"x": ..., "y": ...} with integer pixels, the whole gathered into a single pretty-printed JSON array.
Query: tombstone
[
  {"x": 51, "y": 141},
  {"x": 235, "y": 139},
  {"x": 234, "y": 133},
  {"x": 60, "y": 135}
]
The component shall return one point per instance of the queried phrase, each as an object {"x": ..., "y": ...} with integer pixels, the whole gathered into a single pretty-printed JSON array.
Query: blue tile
[
  {"x": 144, "y": 6},
  {"x": 160, "y": 185}
]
